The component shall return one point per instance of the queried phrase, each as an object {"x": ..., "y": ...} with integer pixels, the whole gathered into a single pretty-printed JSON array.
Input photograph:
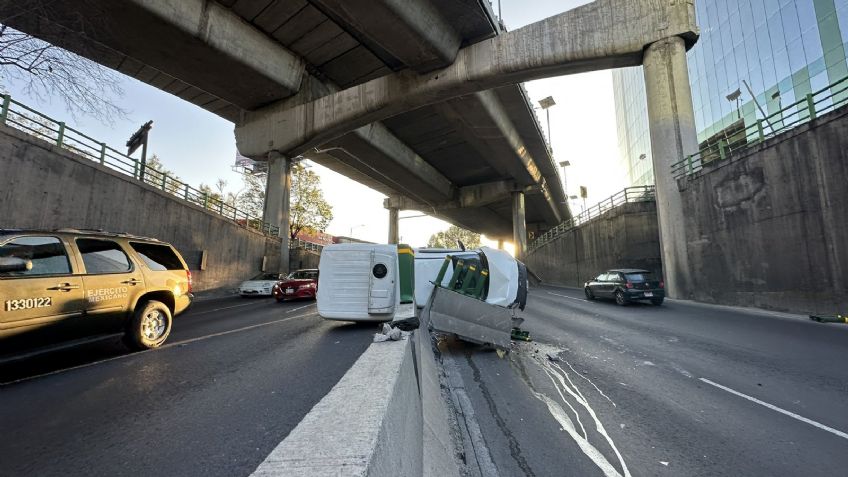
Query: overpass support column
[
  {"x": 394, "y": 225},
  {"x": 519, "y": 225},
  {"x": 277, "y": 195},
  {"x": 673, "y": 136}
]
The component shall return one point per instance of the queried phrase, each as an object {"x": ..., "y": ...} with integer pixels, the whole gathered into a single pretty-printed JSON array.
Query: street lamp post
[{"x": 546, "y": 104}]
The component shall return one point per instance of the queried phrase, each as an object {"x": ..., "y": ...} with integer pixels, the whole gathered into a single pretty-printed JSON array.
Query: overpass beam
[
  {"x": 519, "y": 225},
  {"x": 277, "y": 208},
  {"x": 412, "y": 33},
  {"x": 671, "y": 119},
  {"x": 599, "y": 35},
  {"x": 394, "y": 225}
]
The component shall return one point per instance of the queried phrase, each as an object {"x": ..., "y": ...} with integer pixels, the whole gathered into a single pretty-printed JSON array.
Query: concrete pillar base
[
  {"x": 673, "y": 136},
  {"x": 277, "y": 208},
  {"x": 519, "y": 225},
  {"x": 394, "y": 225}
]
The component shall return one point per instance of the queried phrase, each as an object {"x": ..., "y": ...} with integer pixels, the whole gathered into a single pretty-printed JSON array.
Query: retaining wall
[
  {"x": 624, "y": 237},
  {"x": 43, "y": 186},
  {"x": 769, "y": 228}
]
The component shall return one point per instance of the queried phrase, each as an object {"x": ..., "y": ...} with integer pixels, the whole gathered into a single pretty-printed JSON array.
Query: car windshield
[
  {"x": 266, "y": 276},
  {"x": 638, "y": 277},
  {"x": 303, "y": 275}
]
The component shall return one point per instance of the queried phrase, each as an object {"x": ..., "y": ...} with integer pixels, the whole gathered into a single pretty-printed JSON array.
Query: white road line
[
  {"x": 299, "y": 308},
  {"x": 169, "y": 345},
  {"x": 775, "y": 408},
  {"x": 570, "y": 297},
  {"x": 224, "y": 308},
  {"x": 229, "y": 332}
]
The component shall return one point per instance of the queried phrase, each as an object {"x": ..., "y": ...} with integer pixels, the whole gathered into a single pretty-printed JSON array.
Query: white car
[{"x": 260, "y": 285}]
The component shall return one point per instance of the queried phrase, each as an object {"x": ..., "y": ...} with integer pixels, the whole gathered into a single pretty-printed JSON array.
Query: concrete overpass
[
  {"x": 415, "y": 98},
  {"x": 232, "y": 57}
]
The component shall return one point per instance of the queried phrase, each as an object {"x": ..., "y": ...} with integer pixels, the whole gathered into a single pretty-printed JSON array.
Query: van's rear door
[{"x": 381, "y": 290}]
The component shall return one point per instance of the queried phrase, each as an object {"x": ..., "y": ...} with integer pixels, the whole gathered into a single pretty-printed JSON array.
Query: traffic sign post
[{"x": 139, "y": 138}]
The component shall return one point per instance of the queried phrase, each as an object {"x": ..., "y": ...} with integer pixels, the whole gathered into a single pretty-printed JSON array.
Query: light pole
[
  {"x": 734, "y": 96},
  {"x": 564, "y": 164},
  {"x": 546, "y": 104},
  {"x": 355, "y": 227}
]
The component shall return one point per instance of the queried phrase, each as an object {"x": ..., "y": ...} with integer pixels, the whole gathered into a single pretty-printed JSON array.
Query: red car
[{"x": 298, "y": 284}]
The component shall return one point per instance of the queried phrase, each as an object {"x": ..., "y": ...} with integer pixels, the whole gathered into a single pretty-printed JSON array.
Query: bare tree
[{"x": 86, "y": 88}]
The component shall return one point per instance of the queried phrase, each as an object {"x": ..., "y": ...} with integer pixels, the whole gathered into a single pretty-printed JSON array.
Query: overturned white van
[{"x": 366, "y": 282}]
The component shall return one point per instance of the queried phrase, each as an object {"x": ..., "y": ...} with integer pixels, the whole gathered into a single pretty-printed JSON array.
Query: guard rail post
[{"x": 4, "y": 111}]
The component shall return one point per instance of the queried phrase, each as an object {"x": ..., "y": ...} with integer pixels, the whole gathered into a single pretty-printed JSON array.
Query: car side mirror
[{"x": 14, "y": 264}]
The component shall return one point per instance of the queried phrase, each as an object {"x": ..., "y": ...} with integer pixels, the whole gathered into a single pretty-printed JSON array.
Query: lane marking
[
  {"x": 169, "y": 345},
  {"x": 570, "y": 297},
  {"x": 300, "y": 308},
  {"x": 222, "y": 308},
  {"x": 780, "y": 410},
  {"x": 237, "y": 330}
]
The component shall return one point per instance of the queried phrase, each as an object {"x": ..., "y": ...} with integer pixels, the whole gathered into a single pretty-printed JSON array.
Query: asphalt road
[
  {"x": 235, "y": 377},
  {"x": 683, "y": 389}
]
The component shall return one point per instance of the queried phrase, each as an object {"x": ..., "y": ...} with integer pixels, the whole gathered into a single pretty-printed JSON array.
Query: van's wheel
[
  {"x": 589, "y": 294},
  {"x": 149, "y": 327},
  {"x": 620, "y": 299}
]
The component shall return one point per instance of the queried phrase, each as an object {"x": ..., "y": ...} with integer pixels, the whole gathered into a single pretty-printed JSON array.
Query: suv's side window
[
  {"x": 48, "y": 256},
  {"x": 103, "y": 256}
]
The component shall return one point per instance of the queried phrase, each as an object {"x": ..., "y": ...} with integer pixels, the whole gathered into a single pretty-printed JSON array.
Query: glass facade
[{"x": 782, "y": 49}]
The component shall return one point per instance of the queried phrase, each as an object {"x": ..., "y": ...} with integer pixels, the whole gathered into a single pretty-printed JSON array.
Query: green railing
[
  {"x": 626, "y": 196},
  {"x": 789, "y": 117},
  {"x": 30, "y": 121}
]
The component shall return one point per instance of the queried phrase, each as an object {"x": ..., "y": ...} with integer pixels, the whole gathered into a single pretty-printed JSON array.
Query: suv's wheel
[
  {"x": 620, "y": 298},
  {"x": 149, "y": 327},
  {"x": 657, "y": 301},
  {"x": 589, "y": 294}
]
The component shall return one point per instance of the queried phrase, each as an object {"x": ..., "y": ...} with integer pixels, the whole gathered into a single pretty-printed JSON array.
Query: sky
[{"x": 200, "y": 147}]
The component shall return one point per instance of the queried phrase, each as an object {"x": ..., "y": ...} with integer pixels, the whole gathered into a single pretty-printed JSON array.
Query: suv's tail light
[
  {"x": 188, "y": 277},
  {"x": 629, "y": 285},
  {"x": 662, "y": 284}
]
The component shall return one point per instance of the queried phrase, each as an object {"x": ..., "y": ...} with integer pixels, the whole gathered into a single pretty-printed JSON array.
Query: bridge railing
[
  {"x": 735, "y": 141},
  {"x": 30, "y": 121},
  {"x": 626, "y": 196}
]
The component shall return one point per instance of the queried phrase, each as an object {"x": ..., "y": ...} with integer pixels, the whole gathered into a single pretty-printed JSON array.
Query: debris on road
[
  {"x": 520, "y": 335},
  {"x": 390, "y": 334},
  {"x": 830, "y": 318}
]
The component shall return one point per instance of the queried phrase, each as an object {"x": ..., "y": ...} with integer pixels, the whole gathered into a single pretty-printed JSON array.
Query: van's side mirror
[{"x": 14, "y": 264}]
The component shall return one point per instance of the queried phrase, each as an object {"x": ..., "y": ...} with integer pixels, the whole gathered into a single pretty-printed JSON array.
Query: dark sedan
[{"x": 626, "y": 285}]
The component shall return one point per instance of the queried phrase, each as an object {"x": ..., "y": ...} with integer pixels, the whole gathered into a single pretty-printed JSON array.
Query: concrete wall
[
  {"x": 770, "y": 228},
  {"x": 625, "y": 237},
  {"x": 46, "y": 187},
  {"x": 300, "y": 258}
]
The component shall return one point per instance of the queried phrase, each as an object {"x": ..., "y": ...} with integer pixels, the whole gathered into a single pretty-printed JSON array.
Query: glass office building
[{"x": 782, "y": 50}]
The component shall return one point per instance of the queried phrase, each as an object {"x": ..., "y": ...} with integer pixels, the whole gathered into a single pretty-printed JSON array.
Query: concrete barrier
[
  {"x": 369, "y": 424},
  {"x": 387, "y": 416}
]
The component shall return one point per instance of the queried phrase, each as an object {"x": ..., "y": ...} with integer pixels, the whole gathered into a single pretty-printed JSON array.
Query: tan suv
[{"x": 67, "y": 285}]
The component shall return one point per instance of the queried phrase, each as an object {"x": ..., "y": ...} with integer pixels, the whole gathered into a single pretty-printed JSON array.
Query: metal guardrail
[
  {"x": 789, "y": 117},
  {"x": 626, "y": 196},
  {"x": 309, "y": 246},
  {"x": 34, "y": 123}
]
